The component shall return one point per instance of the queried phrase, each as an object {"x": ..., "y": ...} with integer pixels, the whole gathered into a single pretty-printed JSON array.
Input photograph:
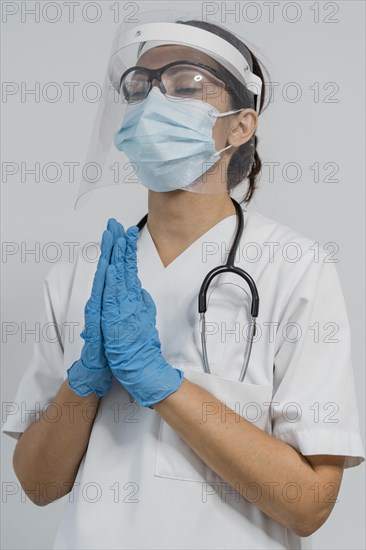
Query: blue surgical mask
[{"x": 169, "y": 139}]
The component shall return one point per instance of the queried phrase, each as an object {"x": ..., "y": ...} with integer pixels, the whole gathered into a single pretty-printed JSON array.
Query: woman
[{"x": 152, "y": 451}]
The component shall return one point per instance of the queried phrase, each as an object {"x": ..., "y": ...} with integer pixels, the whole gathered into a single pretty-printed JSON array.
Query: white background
[{"x": 304, "y": 132}]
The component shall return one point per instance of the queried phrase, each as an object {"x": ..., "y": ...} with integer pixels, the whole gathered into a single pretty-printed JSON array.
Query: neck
[{"x": 178, "y": 218}]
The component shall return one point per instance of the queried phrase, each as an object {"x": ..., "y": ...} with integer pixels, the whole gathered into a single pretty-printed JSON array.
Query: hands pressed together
[{"x": 120, "y": 336}]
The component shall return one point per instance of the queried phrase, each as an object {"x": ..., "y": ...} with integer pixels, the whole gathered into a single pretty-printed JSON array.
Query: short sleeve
[
  {"x": 314, "y": 406},
  {"x": 44, "y": 374}
]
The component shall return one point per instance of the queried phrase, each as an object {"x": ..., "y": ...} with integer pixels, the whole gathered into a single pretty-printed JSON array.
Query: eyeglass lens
[{"x": 181, "y": 81}]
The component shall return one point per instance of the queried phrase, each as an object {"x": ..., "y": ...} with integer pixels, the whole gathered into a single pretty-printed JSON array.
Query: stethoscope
[{"x": 229, "y": 267}]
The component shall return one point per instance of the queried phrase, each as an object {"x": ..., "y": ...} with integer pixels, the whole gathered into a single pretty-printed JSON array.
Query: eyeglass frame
[{"x": 155, "y": 74}]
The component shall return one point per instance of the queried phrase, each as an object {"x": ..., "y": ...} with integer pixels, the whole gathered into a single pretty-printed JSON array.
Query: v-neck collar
[
  {"x": 150, "y": 265},
  {"x": 189, "y": 247}
]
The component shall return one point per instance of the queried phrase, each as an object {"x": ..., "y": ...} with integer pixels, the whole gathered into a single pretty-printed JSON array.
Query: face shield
[{"x": 144, "y": 77}]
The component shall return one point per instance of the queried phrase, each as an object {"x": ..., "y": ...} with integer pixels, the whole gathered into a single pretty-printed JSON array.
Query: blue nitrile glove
[
  {"x": 131, "y": 340},
  {"x": 91, "y": 372}
]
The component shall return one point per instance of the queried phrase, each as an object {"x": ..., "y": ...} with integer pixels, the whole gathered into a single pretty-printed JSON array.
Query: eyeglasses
[{"x": 181, "y": 79}]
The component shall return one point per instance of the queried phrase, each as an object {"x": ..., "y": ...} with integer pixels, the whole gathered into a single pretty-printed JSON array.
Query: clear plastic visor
[{"x": 189, "y": 72}]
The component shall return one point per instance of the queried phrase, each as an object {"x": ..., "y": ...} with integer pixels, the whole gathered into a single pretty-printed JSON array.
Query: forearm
[
  {"x": 281, "y": 480},
  {"x": 51, "y": 448}
]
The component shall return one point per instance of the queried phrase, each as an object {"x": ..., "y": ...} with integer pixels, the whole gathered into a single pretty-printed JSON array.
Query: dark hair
[{"x": 241, "y": 97}]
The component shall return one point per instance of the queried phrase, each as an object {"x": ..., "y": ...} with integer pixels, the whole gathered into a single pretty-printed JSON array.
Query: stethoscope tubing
[{"x": 229, "y": 267}]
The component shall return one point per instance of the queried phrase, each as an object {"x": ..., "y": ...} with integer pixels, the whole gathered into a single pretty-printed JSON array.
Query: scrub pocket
[{"x": 175, "y": 459}]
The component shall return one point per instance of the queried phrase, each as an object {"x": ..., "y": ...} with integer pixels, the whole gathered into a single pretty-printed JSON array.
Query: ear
[{"x": 243, "y": 126}]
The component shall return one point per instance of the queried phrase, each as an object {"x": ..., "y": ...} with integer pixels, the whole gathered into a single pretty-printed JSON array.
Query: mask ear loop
[
  {"x": 227, "y": 113},
  {"x": 224, "y": 149},
  {"x": 250, "y": 144}
]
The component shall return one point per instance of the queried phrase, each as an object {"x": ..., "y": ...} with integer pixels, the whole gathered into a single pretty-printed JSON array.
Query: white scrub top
[{"x": 139, "y": 485}]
